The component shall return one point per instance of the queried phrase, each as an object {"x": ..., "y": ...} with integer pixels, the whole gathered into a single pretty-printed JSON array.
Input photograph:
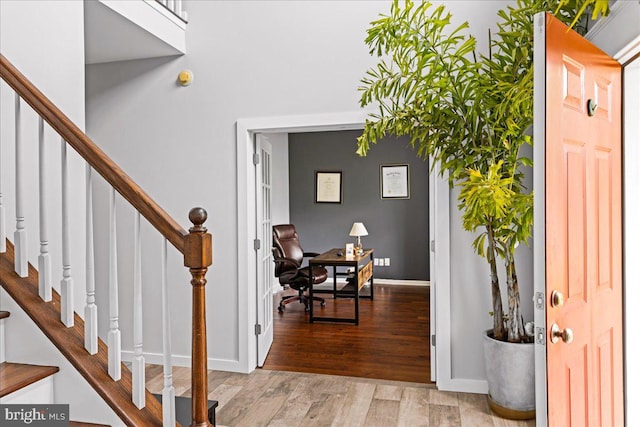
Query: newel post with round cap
[{"x": 198, "y": 255}]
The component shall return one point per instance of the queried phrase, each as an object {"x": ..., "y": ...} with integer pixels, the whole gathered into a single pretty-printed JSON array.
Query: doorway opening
[
  {"x": 392, "y": 339},
  {"x": 247, "y": 129}
]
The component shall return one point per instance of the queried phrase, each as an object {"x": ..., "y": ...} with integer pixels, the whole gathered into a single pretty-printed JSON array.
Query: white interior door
[
  {"x": 264, "y": 267},
  {"x": 432, "y": 274}
]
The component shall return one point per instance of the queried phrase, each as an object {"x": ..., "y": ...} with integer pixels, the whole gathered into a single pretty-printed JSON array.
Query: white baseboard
[
  {"x": 227, "y": 365},
  {"x": 3, "y": 356},
  {"x": 386, "y": 282},
  {"x": 396, "y": 282},
  {"x": 463, "y": 385}
]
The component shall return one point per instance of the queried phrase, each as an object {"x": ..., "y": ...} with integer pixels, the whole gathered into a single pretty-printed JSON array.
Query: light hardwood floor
[{"x": 274, "y": 398}]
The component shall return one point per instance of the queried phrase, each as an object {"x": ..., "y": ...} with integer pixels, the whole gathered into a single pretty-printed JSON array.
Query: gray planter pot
[{"x": 511, "y": 378}]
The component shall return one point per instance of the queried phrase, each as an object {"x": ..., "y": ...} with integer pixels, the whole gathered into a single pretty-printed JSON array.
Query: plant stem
[
  {"x": 498, "y": 313},
  {"x": 515, "y": 327}
]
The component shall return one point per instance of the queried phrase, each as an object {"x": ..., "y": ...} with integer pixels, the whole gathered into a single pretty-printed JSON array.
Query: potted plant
[{"x": 470, "y": 113}]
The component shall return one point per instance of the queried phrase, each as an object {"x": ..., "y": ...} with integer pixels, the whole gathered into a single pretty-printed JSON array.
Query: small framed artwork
[
  {"x": 348, "y": 250},
  {"x": 394, "y": 182},
  {"x": 328, "y": 186}
]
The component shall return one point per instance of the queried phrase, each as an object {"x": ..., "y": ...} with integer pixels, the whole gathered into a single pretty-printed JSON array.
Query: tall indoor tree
[{"x": 470, "y": 112}]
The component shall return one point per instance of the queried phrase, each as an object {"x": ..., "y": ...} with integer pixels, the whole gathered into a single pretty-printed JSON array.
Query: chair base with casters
[{"x": 301, "y": 297}]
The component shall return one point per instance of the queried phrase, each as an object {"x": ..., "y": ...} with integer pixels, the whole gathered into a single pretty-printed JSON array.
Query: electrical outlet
[
  {"x": 376, "y": 261},
  {"x": 387, "y": 262}
]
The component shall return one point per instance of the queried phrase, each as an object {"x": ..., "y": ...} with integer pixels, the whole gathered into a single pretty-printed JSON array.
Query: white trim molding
[
  {"x": 539, "y": 219},
  {"x": 617, "y": 32},
  {"x": 396, "y": 282},
  {"x": 226, "y": 365},
  {"x": 245, "y": 133},
  {"x": 463, "y": 385}
]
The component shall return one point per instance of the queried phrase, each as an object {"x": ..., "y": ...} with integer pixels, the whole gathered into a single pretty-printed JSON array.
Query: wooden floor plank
[
  {"x": 269, "y": 403},
  {"x": 444, "y": 416},
  {"x": 414, "y": 408},
  {"x": 391, "y": 342},
  {"x": 359, "y": 397},
  {"x": 322, "y": 400},
  {"x": 383, "y": 413},
  {"x": 296, "y": 406},
  {"x": 238, "y": 407}
]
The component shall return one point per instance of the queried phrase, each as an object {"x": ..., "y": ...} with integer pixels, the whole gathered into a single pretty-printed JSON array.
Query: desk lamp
[{"x": 358, "y": 230}]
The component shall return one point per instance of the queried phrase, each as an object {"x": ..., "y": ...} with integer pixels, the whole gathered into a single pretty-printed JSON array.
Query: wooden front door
[{"x": 583, "y": 232}]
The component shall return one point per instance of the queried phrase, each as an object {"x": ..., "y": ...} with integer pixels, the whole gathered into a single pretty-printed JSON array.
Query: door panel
[
  {"x": 583, "y": 231},
  {"x": 264, "y": 266}
]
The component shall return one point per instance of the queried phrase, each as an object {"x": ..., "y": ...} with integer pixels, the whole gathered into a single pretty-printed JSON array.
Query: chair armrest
[{"x": 284, "y": 260}]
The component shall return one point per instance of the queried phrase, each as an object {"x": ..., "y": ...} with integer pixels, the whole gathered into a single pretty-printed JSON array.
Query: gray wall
[
  {"x": 45, "y": 41},
  {"x": 179, "y": 143},
  {"x": 398, "y": 228}
]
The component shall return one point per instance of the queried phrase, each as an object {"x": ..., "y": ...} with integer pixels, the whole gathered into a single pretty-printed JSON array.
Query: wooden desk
[{"x": 362, "y": 266}]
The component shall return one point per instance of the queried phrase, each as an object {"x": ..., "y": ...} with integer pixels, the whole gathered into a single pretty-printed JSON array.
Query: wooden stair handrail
[
  {"x": 195, "y": 245},
  {"x": 89, "y": 151}
]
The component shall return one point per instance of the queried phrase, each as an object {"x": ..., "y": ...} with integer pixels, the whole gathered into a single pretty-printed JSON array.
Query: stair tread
[
  {"x": 14, "y": 376},
  {"x": 4, "y": 314}
]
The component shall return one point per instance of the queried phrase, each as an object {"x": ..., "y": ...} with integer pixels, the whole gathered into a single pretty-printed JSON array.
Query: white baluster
[
  {"x": 3, "y": 229},
  {"x": 66, "y": 284},
  {"x": 44, "y": 260},
  {"x": 177, "y": 7},
  {"x": 171, "y": 5},
  {"x": 168, "y": 392},
  {"x": 138, "y": 385},
  {"x": 113, "y": 338},
  {"x": 90, "y": 309},
  {"x": 20, "y": 235}
]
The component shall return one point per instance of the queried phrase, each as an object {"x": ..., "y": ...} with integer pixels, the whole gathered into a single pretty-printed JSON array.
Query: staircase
[
  {"x": 22, "y": 383},
  {"x": 74, "y": 335}
]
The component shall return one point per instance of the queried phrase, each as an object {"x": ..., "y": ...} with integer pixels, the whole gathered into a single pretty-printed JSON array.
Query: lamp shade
[{"x": 358, "y": 229}]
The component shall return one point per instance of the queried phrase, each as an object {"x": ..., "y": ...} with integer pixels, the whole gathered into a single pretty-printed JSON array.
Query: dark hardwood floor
[{"x": 391, "y": 342}]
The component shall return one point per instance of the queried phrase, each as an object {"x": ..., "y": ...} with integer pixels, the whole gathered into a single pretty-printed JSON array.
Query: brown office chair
[{"x": 288, "y": 256}]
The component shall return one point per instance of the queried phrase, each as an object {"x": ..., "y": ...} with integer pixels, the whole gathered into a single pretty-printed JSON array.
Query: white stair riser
[
  {"x": 38, "y": 393},
  {"x": 3, "y": 355}
]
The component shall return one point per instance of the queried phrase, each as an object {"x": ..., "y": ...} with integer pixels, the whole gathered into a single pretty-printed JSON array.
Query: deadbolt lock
[
  {"x": 591, "y": 107},
  {"x": 557, "y": 299},
  {"x": 565, "y": 335}
]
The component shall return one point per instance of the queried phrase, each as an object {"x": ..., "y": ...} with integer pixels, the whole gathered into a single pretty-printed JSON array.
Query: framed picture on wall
[
  {"x": 394, "y": 181},
  {"x": 328, "y": 187}
]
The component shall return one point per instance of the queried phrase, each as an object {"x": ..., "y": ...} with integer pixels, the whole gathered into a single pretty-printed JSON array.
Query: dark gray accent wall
[{"x": 398, "y": 229}]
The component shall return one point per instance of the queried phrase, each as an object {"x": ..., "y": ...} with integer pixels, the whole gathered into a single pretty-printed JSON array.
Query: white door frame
[
  {"x": 245, "y": 131},
  {"x": 539, "y": 218}
]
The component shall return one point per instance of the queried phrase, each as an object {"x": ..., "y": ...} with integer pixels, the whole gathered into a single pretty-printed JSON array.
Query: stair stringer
[
  {"x": 68, "y": 344},
  {"x": 25, "y": 343}
]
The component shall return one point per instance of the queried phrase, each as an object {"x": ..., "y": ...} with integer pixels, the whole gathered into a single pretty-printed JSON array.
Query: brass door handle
[
  {"x": 565, "y": 335},
  {"x": 557, "y": 299}
]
